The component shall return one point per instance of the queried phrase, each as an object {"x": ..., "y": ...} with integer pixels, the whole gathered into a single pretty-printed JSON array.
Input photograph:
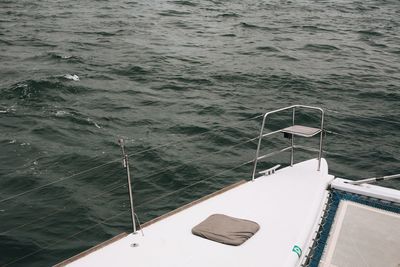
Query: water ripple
[{"x": 155, "y": 72}]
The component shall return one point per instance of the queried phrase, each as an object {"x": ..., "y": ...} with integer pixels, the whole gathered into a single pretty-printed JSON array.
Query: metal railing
[{"x": 291, "y": 135}]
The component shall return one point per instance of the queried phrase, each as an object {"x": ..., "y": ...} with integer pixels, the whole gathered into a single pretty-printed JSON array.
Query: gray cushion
[{"x": 225, "y": 229}]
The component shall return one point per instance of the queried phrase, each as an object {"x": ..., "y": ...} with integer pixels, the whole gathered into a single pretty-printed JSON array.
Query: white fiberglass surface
[
  {"x": 286, "y": 205},
  {"x": 370, "y": 190}
]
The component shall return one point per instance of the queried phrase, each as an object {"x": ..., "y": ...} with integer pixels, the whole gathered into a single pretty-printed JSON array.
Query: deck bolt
[{"x": 134, "y": 245}]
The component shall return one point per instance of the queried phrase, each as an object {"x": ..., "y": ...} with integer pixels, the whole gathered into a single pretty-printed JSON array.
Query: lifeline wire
[
  {"x": 64, "y": 239},
  {"x": 160, "y": 146},
  {"x": 164, "y": 145},
  {"x": 122, "y": 185},
  {"x": 192, "y": 137},
  {"x": 120, "y": 213},
  {"x": 107, "y": 163},
  {"x": 163, "y": 196},
  {"x": 353, "y": 137},
  {"x": 143, "y": 151},
  {"x": 195, "y": 183},
  {"x": 183, "y": 164},
  {"x": 57, "y": 211},
  {"x": 346, "y": 113},
  {"x": 57, "y": 181}
]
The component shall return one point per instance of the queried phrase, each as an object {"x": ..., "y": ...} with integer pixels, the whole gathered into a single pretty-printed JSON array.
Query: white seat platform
[
  {"x": 301, "y": 130},
  {"x": 286, "y": 205}
]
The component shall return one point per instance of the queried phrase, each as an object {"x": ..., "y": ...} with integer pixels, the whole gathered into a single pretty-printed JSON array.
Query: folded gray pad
[{"x": 225, "y": 229}]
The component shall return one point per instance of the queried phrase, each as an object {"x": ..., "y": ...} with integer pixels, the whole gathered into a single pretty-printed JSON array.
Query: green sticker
[{"x": 297, "y": 250}]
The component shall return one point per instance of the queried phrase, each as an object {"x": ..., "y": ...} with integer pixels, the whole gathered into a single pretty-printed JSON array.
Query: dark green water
[{"x": 189, "y": 74}]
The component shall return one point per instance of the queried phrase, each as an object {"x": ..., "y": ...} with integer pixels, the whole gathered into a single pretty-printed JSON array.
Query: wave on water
[
  {"x": 66, "y": 57},
  {"x": 228, "y": 15},
  {"x": 5, "y": 42},
  {"x": 287, "y": 57},
  {"x": 61, "y": 113},
  {"x": 39, "y": 91},
  {"x": 184, "y": 3},
  {"x": 254, "y": 26},
  {"x": 228, "y": 35},
  {"x": 370, "y": 33},
  {"x": 268, "y": 49},
  {"x": 174, "y": 13},
  {"x": 134, "y": 72},
  {"x": 7, "y": 109},
  {"x": 381, "y": 95},
  {"x": 314, "y": 28},
  {"x": 78, "y": 75},
  {"x": 320, "y": 47},
  {"x": 72, "y": 77}
]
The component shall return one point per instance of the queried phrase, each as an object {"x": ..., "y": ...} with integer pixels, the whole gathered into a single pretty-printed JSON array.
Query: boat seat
[
  {"x": 225, "y": 229},
  {"x": 301, "y": 130}
]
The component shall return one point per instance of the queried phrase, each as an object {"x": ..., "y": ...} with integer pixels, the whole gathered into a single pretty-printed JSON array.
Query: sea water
[{"x": 183, "y": 83}]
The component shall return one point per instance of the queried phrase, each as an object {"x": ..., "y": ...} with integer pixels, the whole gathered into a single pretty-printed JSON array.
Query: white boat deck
[{"x": 286, "y": 205}]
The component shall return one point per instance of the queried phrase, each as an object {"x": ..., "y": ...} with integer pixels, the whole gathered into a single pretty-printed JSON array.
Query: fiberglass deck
[{"x": 286, "y": 205}]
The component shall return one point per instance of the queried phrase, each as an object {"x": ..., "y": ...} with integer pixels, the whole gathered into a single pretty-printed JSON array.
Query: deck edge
[
  {"x": 164, "y": 216},
  {"x": 90, "y": 250}
]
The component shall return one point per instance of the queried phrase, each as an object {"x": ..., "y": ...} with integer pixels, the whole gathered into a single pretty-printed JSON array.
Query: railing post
[
  {"x": 321, "y": 140},
  {"x": 126, "y": 166},
  {"x": 292, "y": 139},
  {"x": 258, "y": 147},
  {"x": 292, "y": 146}
]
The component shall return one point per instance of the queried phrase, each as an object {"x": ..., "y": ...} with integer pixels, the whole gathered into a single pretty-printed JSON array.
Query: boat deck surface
[{"x": 286, "y": 205}]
